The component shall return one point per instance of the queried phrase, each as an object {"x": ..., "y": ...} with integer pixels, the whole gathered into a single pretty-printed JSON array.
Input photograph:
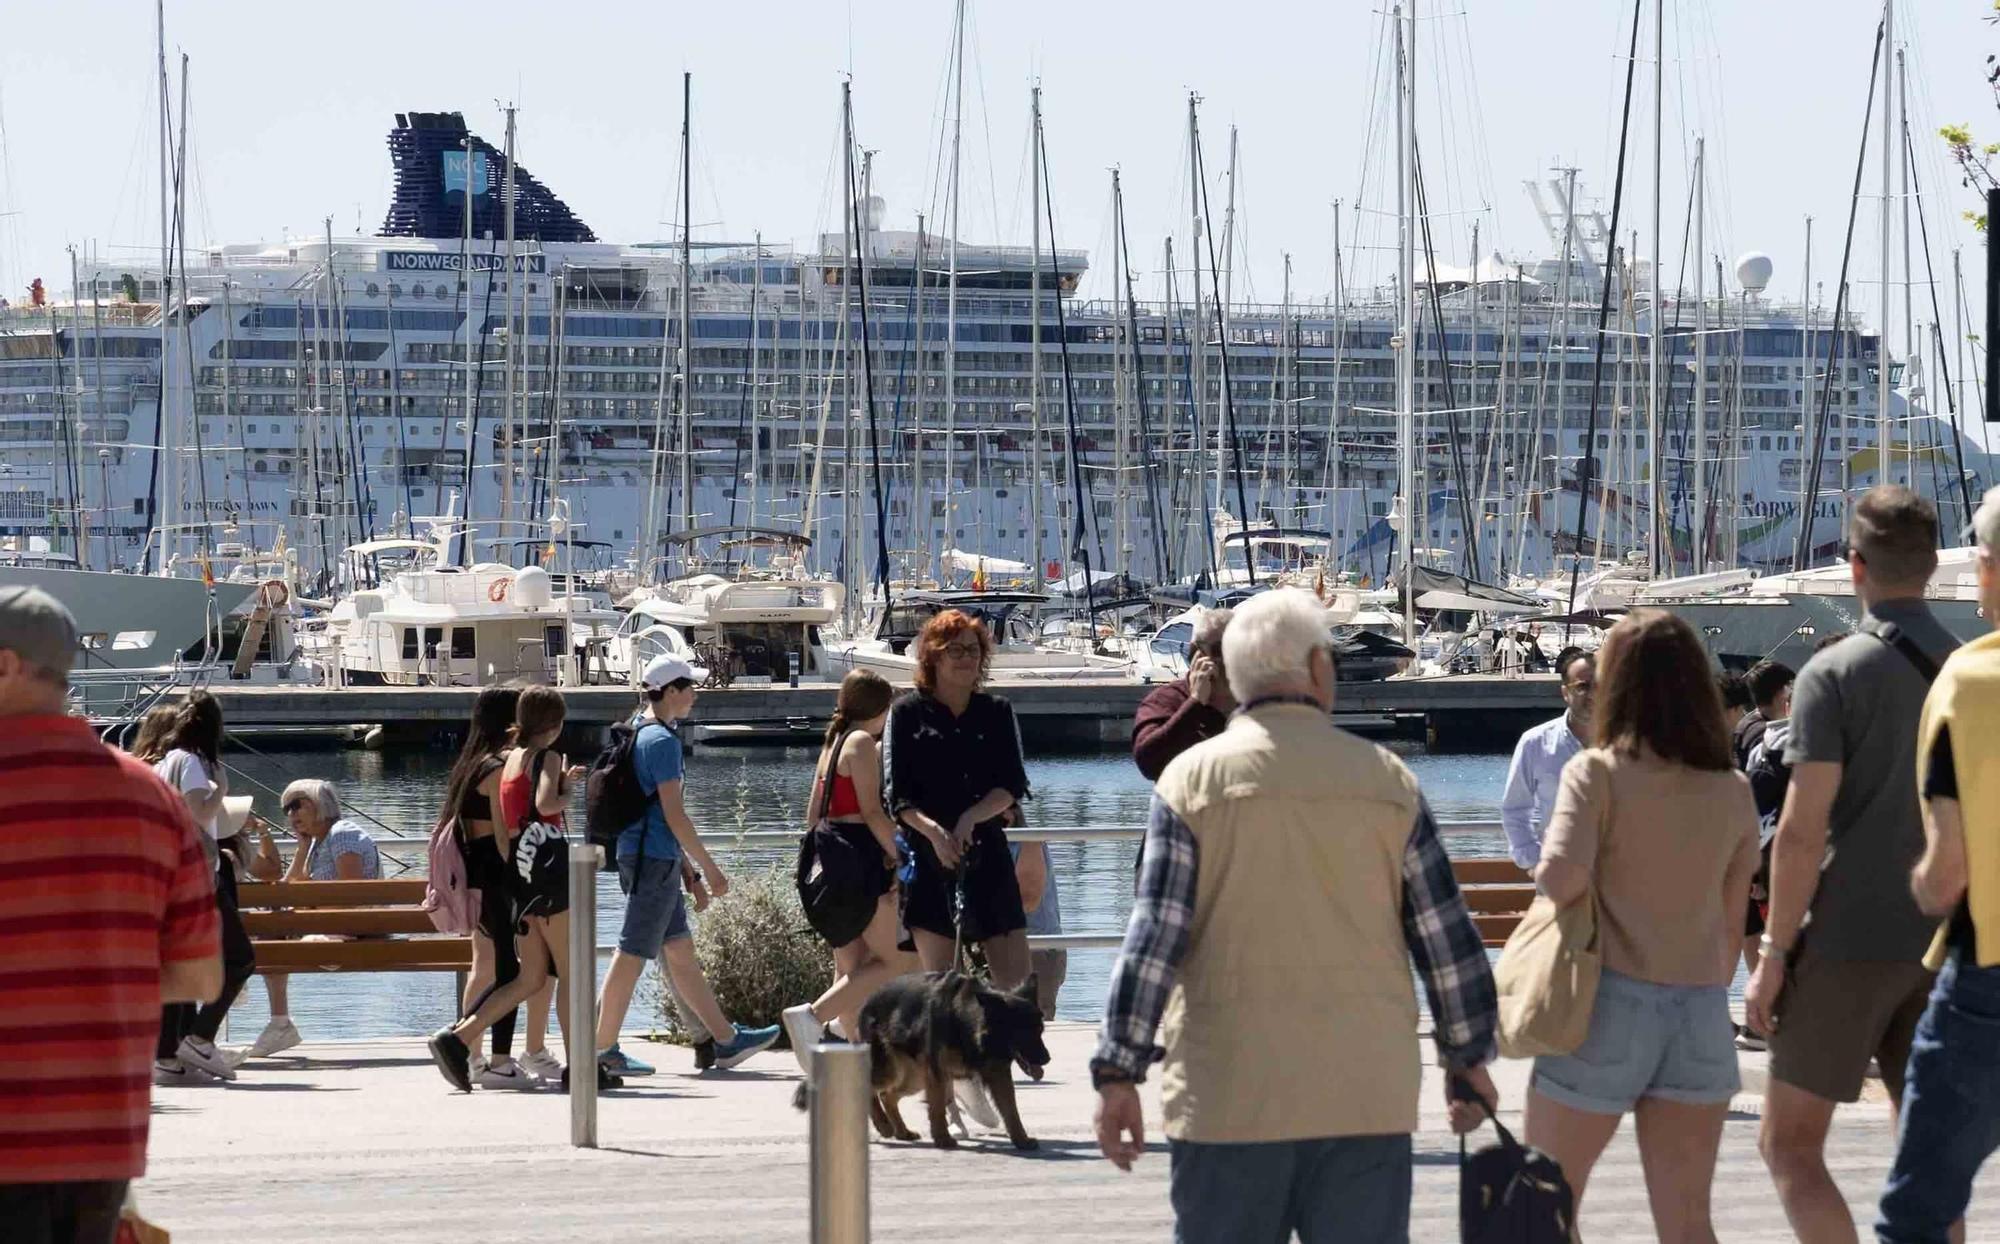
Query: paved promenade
[{"x": 365, "y": 1142}]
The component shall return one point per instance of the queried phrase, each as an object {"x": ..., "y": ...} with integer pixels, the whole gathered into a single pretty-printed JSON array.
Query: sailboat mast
[
  {"x": 1698, "y": 541},
  {"x": 1122, "y": 390},
  {"x": 1035, "y": 348},
  {"x": 687, "y": 319},
  {"x": 919, "y": 526},
  {"x": 164, "y": 463},
  {"x": 1225, "y": 288},
  {"x": 754, "y": 397},
  {"x": 1406, "y": 374},
  {"x": 1198, "y": 336},
  {"x": 1910, "y": 335},
  {"x": 1882, "y": 475},
  {"x": 951, "y": 277},
  {"x": 1658, "y": 554},
  {"x": 1816, "y": 441},
  {"x": 508, "y": 443}
]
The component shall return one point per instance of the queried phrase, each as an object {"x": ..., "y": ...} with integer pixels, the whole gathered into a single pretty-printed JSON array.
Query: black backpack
[
  {"x": 612, "y": 796},
  {"x": 1508, "y": 1193}
]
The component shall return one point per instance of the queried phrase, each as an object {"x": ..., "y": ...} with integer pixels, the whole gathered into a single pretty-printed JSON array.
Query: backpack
[
  {"x": 612, "y": 796},
  {"x": 449, "y": 899},
  {"x": 1769, "y": 775},
  {"x": 1509, "y": 1193}
]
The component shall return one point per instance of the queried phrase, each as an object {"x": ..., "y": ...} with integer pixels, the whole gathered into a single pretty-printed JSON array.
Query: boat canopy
[
  {"x": 961, "y": 559},
  {"x": 1437, "y": 589},
  {"x": 767, "y": 536}
]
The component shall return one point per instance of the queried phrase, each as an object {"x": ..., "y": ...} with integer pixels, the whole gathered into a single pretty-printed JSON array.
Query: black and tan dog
[{"x": 925, "y": 1031}]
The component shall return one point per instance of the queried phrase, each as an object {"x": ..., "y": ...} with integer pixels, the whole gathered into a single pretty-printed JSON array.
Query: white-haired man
[
  {"x": 1292, "y": 873},
  {"x": 1951, "y": 1094}
]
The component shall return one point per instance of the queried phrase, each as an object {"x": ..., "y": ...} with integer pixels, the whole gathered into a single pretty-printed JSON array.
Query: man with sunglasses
[
  {"x": 1535, "y": 773},
  {"x": 1841, "y": 979}
]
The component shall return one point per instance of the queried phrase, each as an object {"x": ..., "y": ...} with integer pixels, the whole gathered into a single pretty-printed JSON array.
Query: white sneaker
[
  {"x": 203, "y": 1056},
  {"x": 541, "y": 1064},
  {"x": 173, "y": 1073},
  {"x": 971, "y": 1097},
  {"x": 508, "y": 1075},
  {"x": 236, "y": 1057},
  {"x": 802, "y": 1030},
  {"x": 278, "y": 1036}
]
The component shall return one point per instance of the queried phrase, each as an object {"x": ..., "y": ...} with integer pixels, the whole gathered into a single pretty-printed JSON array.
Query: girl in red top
[
  {"x": 849, "y": 780},
  {"x": 533, "y": 791}
]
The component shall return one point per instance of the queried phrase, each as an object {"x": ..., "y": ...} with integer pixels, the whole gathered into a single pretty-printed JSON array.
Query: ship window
[
  {"x": 442, "y": 293},
  {"x": 409, "y": 643},
  {"x": 374, "y": 290},
  {"x": 416, "y": 291},
  {"x": 552, "y": 640},
  {"x": 433, "y": 640},
  {"x": 284, "y": 466},
  {"x": 461, "y": 643}
]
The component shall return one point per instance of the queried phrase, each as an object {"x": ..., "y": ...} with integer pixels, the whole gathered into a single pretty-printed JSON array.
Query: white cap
[{"x": 664, "y": 669}]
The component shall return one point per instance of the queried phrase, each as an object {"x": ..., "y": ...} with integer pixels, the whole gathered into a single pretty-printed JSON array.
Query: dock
[
  {"x": 1469, "y": 710},
  {"x": 364, "y": 1141}
]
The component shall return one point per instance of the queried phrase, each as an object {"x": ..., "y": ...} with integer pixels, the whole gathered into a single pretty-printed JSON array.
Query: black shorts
[
  {"x": 539, "y": 872},
  {"x": 992, "y": 904}
]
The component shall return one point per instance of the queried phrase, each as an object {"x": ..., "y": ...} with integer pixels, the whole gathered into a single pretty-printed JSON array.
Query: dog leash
[{"x": 958, "y": 918}]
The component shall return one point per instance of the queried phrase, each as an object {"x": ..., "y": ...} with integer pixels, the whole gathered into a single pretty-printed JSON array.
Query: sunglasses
[{"x": 294, "y": 806}]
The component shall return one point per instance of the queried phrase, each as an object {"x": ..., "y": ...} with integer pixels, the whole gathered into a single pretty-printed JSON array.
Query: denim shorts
[
  {"x": 655, "y": 908},
  {"x": 1674, "y": 1042}
]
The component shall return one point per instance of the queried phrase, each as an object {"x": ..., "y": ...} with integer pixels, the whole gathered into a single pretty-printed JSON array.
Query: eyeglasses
[
  {"x": 965, "y": 651},
  {"x": 1581, "y": 688},
  {"x": 294, "y": 806}
]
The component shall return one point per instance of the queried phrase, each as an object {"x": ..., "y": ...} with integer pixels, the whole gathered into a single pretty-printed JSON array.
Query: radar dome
[
  {"x": 1753, "y": 272},
  {"x": 531, "y": 588}
]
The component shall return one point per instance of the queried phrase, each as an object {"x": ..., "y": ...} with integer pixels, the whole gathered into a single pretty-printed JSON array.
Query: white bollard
[
  {"x": 838, "y": 1100},
  {"x": 580, "y": 978}
]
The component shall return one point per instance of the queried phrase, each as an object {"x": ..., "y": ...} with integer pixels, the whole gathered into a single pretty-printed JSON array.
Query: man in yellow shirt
[{"x": 1951, "y": 1096}]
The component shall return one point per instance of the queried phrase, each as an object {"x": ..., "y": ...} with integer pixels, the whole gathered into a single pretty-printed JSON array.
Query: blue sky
[{"x": 291, "y": 103}]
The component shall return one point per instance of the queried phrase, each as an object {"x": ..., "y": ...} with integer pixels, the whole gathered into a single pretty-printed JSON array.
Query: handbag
[
  {"x": 1547, "y": 978},
  {"x": 1547, "y": 974},
  {"x": 830, "y": 874},
  {"x": 1509, "y": 1193}
]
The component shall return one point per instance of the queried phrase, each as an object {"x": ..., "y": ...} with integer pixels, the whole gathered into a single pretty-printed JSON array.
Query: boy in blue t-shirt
[{"x": 650, "y": 855}]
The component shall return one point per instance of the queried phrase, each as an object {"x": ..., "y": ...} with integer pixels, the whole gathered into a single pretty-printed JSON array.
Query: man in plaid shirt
[{"x": 1292, "y": 872}]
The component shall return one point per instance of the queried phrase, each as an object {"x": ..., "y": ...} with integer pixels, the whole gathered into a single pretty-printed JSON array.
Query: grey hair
[
  {"x": 1986, "y": 521},
  {"x": 1270, "y": 641},
  {"x": 1209, "y": 628},
  {"x": 319, "y": 791}
]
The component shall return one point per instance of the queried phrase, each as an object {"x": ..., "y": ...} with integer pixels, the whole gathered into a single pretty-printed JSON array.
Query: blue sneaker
[
  {"x": 746, "y": 1042},
  {"x": 619, "y": 1063}
]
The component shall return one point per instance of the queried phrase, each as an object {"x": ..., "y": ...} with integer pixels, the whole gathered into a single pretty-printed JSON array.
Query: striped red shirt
[{"x": 101, "y": 882}]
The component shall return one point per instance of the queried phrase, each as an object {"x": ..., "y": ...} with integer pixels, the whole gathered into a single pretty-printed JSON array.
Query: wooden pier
[{"x": 1459, "y": 711}]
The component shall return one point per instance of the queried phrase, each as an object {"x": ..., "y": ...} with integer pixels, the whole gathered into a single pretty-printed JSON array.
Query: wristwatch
[{"x": 1770, "y": 949}]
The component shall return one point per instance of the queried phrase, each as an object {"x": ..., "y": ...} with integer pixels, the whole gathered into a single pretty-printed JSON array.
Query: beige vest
[{"x": 1293, "y": 1015}]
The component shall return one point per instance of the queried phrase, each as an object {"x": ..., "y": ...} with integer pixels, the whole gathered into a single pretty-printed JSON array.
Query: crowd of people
[
  {"x": 1834, "y": 829},
  {"x": 1830, "y": 828}
]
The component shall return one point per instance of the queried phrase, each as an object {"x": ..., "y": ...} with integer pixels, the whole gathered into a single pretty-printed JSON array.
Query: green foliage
[{"x": 758, "y": 952}]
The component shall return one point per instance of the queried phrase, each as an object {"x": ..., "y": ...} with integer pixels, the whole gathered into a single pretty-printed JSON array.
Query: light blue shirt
[
  {"x": 656, "y": 758},
  {"x": 345, "y": 838},
  {"x": 1532, "y": 781}
]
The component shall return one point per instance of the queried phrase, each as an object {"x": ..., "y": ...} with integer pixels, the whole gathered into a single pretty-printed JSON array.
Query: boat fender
[{"x": 497, "y": 590}]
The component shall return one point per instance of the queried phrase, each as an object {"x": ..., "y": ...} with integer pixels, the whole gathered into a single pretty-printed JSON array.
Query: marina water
[{"x": 730, "y": 791}]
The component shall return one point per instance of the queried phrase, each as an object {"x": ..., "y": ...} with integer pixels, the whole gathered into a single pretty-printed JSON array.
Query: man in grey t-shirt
[{"x": 1841, "y": 980}]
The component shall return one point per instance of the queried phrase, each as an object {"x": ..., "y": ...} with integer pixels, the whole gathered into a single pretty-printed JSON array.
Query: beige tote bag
[{"x": 1547, "y": 978}]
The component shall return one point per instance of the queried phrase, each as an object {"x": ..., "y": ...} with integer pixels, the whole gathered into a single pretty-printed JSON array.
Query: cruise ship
[{"x": 320, "y": 393}]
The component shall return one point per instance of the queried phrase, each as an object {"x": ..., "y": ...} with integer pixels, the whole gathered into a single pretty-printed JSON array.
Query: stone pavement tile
[{"x": 366, "y": 1142}]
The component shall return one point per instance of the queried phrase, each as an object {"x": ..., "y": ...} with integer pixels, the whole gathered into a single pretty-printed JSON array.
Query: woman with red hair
[{"x": 952, "y": 761}]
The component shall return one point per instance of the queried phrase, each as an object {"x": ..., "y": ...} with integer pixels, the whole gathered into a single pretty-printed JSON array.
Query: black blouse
[{"x": 942, "y": 764}]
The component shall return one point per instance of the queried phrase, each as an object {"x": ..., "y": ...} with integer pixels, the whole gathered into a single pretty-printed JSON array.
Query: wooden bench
[
  {"x": 1497, "y": 893},
  {"x": 388, "y": 915}
]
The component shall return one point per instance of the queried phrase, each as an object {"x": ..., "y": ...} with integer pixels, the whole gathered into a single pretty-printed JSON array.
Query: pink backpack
[{"x": 449, "y": 900}]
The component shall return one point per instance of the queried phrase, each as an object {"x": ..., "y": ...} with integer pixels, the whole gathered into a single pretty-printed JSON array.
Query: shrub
[{"x": 758, "y": 952}]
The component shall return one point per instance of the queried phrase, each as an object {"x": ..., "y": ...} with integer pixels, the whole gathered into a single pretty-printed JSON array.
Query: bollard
[
  {"x": 839, "y": 1103},
  {"x": 580, "y": 978}
]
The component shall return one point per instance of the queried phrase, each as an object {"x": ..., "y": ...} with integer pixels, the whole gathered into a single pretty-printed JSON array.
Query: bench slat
[
  {"x": 1498, "y": 900},
  {"x": 267, "y": 894},
  {"x": 1489, "y": 872},
  {"x": 415, "y": 954},
  {"x": 338, "y": 921}
]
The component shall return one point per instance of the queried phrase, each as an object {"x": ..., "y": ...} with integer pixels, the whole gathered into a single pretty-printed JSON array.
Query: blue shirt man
[
  {"x": 656, "y": 759},
  {"x": 1535, "y": 773}
]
